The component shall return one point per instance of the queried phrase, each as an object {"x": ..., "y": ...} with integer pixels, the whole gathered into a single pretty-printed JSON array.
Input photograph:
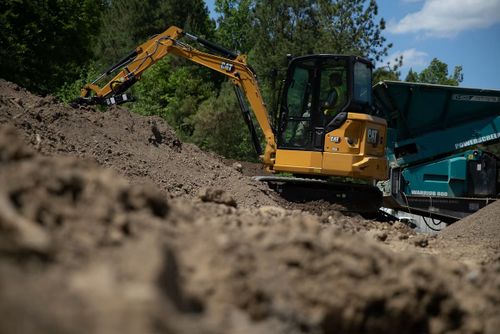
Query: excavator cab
[
  {"x": 317, "y": 96},
  {"x": 324, "y": 125}
]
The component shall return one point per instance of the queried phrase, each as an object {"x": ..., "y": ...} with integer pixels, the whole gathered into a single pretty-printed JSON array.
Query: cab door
[{"x": 296, "y": 117}]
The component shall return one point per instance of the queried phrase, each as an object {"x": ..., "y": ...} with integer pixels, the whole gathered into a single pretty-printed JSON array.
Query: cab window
[
  {"x": 333, "y": 87},
  {"x": 362, "y": 83}
]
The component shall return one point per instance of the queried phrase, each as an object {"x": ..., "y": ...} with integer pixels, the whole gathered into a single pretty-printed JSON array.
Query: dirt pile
[
  {"x": 144, "y": 149},
  {"x": 78, "y": 247},
  {"x": 474, "y": 239},
  {"x": 298, "y": 275},
  {"x": 120, "y": 257},
  {"x": 80, "y": 204},
  {"x": 88, "y": 249},
  {"x": 483, "y": 225}
]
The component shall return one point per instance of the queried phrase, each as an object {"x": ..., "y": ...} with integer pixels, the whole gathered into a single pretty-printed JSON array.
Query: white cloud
[
  {"x": 447, "y": 18},
  {"x": 412, "y": 58}
]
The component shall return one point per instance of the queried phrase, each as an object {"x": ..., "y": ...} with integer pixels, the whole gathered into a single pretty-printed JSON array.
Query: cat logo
[
  {"x": 372, "y": 136},
  {"x": 226, "y": 67}
]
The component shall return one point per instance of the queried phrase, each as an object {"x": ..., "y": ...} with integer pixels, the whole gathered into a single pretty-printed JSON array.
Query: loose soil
[
  {"x": 474, "y": 239},
  {"x": 109, "y": 223},
  {"x": 143, "y": 149}
]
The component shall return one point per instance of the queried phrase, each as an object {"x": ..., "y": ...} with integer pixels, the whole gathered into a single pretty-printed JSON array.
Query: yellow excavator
[{"x": 322, "y": 130}]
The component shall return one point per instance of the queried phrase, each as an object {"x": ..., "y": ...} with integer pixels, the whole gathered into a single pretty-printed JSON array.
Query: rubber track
[{"x": 350, "y": 197}]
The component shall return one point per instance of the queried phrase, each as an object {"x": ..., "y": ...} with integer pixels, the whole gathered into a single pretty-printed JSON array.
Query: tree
[
  {"x": 319, "y": 26},
  {"x": 301, "y": 27},
  {"x": 391, "y": 71},
  {"x": 351, "y": 27},
  {"x": 127, "y": 23},
  {"x": 385, "y": 73},
  {"x": 437, "y": 73},
  {"x": 45, "y": 43},
  {"x": 174, "y": 91},
  {"x": 219, "y": 126},
  {"x": 411, "y": 76},
  {"x": 234, "y": 24}
]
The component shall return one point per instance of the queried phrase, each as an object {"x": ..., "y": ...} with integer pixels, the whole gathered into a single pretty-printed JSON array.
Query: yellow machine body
[{"x": 356, "y": 149}]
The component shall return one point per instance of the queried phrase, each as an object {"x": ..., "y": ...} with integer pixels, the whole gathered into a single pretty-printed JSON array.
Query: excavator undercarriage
[{"x": 348, "y": 197}]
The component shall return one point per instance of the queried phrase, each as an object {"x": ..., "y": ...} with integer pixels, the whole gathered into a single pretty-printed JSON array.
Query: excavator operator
[{"x": 336, "y": 96}]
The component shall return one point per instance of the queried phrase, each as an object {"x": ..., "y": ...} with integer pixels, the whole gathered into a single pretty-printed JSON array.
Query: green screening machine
[{"x": 442, "y": 146}]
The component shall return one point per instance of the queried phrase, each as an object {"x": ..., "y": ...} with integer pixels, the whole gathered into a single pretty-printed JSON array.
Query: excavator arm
[{"x": 228, "y": 63}]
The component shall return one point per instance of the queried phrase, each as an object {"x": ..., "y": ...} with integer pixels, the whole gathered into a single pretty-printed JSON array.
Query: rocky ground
[{"x": 109, "y": 223}]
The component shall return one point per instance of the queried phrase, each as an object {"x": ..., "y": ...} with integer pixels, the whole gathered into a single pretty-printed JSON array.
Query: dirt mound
[
  {"x": 285, "y": 268},
  {"x": 476, "y": 238},
  {"x": 78, "y": 248},
  {"x": 482, "y": 226},
  {"x": 80, "y": 204},
  {"x": 108, "y": 256},
  {"x": 144, "y": 149}
]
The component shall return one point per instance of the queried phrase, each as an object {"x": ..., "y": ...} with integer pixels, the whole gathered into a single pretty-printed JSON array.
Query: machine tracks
[{"x": 359, "y": 198}]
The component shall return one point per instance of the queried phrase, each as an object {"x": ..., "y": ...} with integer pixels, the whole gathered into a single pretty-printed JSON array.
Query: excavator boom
[{"x": 230, "y": 64}]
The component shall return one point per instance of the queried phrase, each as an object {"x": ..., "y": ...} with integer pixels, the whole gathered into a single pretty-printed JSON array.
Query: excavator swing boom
[{"x": 230, "y": 64}]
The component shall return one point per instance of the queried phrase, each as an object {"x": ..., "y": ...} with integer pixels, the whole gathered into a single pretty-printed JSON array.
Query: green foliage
[
  {"x": 384, "y": 73},
  {"x": 351, "y": 27},
  {"x": 219, "y": 126},
  {"x": 437, "y": 73},
  {"x": 411, "y": 76},
  {"x": 319, "y": 26},
  {"x": 128, "y": 23},
  {"x": 173, "y": 90},
  {"x": 235, "y": 24},
  {"x": 45, "y": 43},
  {"x": 190, "y": 15},
  {"x": 70, "y": 90},
  {"x": 391, "y": 71}
]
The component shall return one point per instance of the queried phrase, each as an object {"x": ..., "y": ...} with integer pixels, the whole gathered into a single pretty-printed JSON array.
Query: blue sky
[{"x": 458, "y": 32}]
